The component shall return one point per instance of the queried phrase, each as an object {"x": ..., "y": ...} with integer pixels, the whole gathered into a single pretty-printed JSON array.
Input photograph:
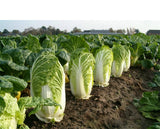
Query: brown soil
[{"x": 109, "y": 107}]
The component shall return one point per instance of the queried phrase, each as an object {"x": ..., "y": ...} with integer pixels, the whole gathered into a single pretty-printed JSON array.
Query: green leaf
[
  {"x": 48, "y": 43},
  {"x": 23, "y": 127},
  {"x": 7, "y": 64},
  {"x": 1, "y": 70},
  {"x": 156, "y": 125},
  {"x": 5, "y": 85},
  {"x": 35, "y": 102},
  {"x": 157, "y": 67},
  {"x": 33, "y": 44},
  {"x": 155, "y": 115},
  {"x": 8, "y": 44},
  {"x": 5, "y": 58},
  {"x": 35, "y": 110},
  {"x": 156, "y": 81},
  {"x": 17, "y": 67},
  {"x": 2, "y": 105},
  {"x": 18, "y": 84},
  {"x": 153, "y": 49},
  {"x": 151, "y": 84},
  {"x": 136, "y": 52},
  {"x": 150, "y": 101},
  {"x": 30, "y": 59},
  {"x": 63, "y": 56},
  {"x": 158, "y": 53},
  {"x": 149, "y": 105},
  {"x": 147, "y": 64},
  {"x": 18, "y": 55},
  {"x": 73, "y": 43}
]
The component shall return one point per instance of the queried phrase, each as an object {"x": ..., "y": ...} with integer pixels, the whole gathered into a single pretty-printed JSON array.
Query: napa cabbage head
[
  {"x": 11, "y": 115},
  {"x": 102, "y": 71},
  {"x": 81, "y": 68},
  {"x": 48, "y": 81},
  {"x": 136, "y": 51},
  {"x": 127, "y": 58},
  {"x": 118, "y": 60}
]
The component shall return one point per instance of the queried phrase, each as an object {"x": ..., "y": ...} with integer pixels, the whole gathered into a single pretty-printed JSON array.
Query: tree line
[
  {"x": 40, "y": 31},
  {"x": 55, "y": 31}
]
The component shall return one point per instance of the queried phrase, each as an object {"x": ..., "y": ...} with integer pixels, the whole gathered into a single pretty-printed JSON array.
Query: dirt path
[{"x": 109, "y": 107}]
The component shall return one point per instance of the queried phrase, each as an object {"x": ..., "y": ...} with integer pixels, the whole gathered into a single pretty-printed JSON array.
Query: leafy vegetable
[
  {"x": 127, "y": 58},
  {"x": 102, "y": 72},
  {"x": 33, "y": 44},
  {"x": 147, "y": 63},
  {"x": 11, "y": 84},
  {"x": 156, "y": 80},
  {"x": 8, "y": 44},
  {"x": 18, "y": 55},
  {"x": 18, "y": 84},
  {"x": 11, "y": 115},
  {"x": 48, "y": 81},
  {"x": 156, "y": 125},
  {"x": 8, "y": 66},
  {"x": 73, "y": 43},
  {"x": 5, "y": 86},
  {"x": 81, "y": 74},
  {"x": 48, "y": 43},
  {"x": 136, "y": 52},
  {"x": 118, "y": 64},
  {"x": 63, "y": 56},
  {"x": 149, "y": 105}
]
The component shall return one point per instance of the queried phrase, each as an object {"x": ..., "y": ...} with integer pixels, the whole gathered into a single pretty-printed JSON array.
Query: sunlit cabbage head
[
  {"x": 48, "y": 81},
  {"x": 127, "y": 59},
  {"x": 118, "y": 60},
  {"x": 102, "y": 72},
  {"x": 81, "y": 74}
]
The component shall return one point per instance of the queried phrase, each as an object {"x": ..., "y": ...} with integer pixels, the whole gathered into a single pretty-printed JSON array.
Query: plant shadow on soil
[{"x": 108, "y": 108}]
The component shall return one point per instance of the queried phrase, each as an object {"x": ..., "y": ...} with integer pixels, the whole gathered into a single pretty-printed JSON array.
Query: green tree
[
  {"x": 43, "y": 30},
  {"x": 15, "y": 32},
  {"x": 121, "y": 31},
  {"x": 75, "y": 29},
  {"x": 111, "y": 30},
  {"x": 5, "y": 32}
]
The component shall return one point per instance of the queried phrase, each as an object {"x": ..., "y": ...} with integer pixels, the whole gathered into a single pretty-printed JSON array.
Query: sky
[{"x": 84, "y": 14}]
